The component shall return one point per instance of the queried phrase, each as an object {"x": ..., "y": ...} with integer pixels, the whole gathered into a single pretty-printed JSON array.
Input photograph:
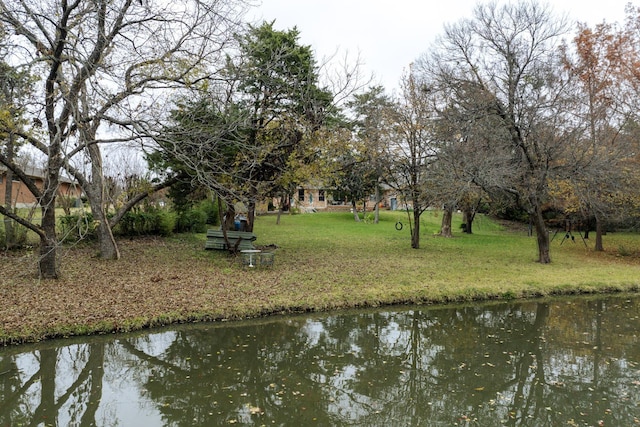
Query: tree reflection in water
[{"x": 540, "y": 363}]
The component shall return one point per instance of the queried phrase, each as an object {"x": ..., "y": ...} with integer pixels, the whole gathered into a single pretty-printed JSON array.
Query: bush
[
  {"x": 138, "y": 223},
  {"x": 150, "y": 222},
  {"x": 196, "y": 218},
  {"x": 77, "y": 226},
  {"x": 20, "y": 238},
  {"x": 510, "y": 213},
  {"x": 166, "y": 222},
  {"x": 210, "y": 208},
  {"x": 191, "y": 221}
]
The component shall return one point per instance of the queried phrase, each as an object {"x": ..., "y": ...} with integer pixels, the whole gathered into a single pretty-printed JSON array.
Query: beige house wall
[
  {"x": 310, "y": 199},
  {"x": 318, "y": 199}
]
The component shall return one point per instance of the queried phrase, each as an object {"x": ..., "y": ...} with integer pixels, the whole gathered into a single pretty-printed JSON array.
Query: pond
[{"x": 553, "y": 362}]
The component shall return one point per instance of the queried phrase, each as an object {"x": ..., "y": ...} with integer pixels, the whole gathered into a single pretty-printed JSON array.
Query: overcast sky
[{"x": 389, "y": 35}]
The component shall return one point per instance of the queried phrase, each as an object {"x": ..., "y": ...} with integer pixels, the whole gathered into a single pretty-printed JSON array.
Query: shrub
[
  {"x": 166, "y": 222},
  {"x": 210, "y": 208},
  {"x": 77, "y": 226},
  {"x": 191, "y": 221},
  {"x": 193, "y": 217},
  {"x": 152, "y": 221},
  {"x": 624, "y": 251},
  {"x": 137, "y": 224}
]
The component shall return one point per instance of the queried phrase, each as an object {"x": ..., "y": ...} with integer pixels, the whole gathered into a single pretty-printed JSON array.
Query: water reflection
[{"x": 540, "y": 363}]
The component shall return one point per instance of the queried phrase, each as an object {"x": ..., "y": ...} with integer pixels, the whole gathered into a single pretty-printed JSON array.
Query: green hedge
[{"x": 152, "y": 221}]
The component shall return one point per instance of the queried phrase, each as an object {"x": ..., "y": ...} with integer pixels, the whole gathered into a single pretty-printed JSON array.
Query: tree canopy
[{"x": 242, "y": 136}]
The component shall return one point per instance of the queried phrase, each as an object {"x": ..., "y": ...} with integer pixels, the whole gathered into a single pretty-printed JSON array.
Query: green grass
[
  {"x": 323, "y": 261},
  {"x": 376, "y": 262}
]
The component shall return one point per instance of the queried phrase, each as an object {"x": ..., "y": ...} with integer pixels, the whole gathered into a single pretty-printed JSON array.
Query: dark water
[{"x": 569, "y": 362}]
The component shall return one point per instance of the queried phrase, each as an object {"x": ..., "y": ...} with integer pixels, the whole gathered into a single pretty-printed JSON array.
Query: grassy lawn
[
  {"x": 375, "y": 262},
  {"x": 323, "y": 261}
]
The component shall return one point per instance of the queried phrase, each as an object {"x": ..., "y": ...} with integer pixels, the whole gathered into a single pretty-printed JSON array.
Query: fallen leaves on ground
[{"x": 153, "y": 283}]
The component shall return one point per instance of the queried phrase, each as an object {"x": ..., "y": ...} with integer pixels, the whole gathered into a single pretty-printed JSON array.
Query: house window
[
  {"x": 301, "y": 195},
  {"x": 321, "y": 195}
]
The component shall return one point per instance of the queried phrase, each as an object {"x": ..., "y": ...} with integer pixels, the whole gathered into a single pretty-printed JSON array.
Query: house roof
[{"x": 34, "y": 172}]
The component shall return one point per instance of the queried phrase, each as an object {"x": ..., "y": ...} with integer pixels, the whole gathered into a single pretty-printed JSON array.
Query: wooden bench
[{"x": 215, "y": 240}]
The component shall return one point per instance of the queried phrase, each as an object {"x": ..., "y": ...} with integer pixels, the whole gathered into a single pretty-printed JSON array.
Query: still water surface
[{"x": 559, "y": 362}]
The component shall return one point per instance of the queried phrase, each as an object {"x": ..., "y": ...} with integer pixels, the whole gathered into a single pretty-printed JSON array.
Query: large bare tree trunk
[
  {"x": 447, "y": 216},
  {"x": 467, "y": 217},
  {"x": 542, "y": 235},
  {"x": 356, "y": 217},
  {"x": 251, "y": 214},
  {"x": 108, "y": 246},
  {"x": 280, "y": 208},
  {"x": 415, "y": 232},
  {"x": 599, "y": 246},
  {"x": 8, "y": 223},
  {"x": 586, "y": 227},
  {"x": 48, "y": 264},
  {"x": 251, "y": 208}
]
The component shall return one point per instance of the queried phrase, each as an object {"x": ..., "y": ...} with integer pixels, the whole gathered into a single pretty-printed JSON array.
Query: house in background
[
  {"x": 21, "y": 197},
  {"x": 311, "y": 197}
]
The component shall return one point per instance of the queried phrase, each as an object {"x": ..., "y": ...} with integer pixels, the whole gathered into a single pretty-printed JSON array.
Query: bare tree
[
  {"x": 107, "y": 67},
  {"x": 412, "y": 152},
  {"x": 504, "y": 59}
]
